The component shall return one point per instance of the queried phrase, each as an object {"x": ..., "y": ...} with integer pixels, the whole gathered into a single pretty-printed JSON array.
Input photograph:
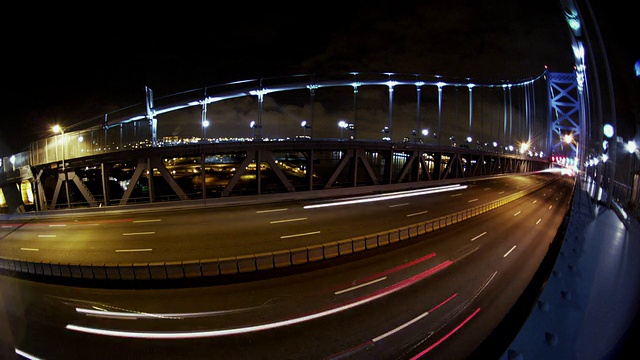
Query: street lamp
[
  {"x": 305, "y": 126},
  {"x": 342, "y": 125},
  {"x": 205, "y": 125},
  {"x": 631, "y": 147},
  {"x": 58, "y": 129}
]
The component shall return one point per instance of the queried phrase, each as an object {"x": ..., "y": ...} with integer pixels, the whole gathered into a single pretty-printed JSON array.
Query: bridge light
[
  {"x": 631, "y": 146},
  {"x": 607, "y": 129}
]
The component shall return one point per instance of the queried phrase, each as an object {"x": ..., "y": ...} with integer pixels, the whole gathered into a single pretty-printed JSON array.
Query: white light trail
[
  {"x": 398, "y": 195},
  {"x": 26, "y": 355},
  {"x": 241, "y": 330},
  {"x": 140, "y": 233},
  {"x": 133, "y": 250}
]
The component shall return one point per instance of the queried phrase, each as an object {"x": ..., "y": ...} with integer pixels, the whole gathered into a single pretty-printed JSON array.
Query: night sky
[{"x": 67, "y": 66}]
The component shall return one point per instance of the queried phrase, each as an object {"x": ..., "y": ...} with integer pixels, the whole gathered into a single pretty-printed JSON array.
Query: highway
[
  {"x": 436, "y": 297},
  {"x": 202, "y": 233}
]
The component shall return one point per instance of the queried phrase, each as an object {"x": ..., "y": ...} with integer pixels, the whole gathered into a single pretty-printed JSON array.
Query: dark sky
[{"x": 67, "y": 66}]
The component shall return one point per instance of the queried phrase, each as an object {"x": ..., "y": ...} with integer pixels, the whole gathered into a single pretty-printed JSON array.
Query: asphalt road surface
[{"x": 438, "y": 296}]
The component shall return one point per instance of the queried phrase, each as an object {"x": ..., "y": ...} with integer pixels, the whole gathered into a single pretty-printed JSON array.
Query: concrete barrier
[
  {"x": 174, "y": 270},
  {"x": 299, "y": 256},
  {"x": 264, "y": 261},
  {"x": 99, "y": 272},
  {"x": 371, "y": 242},
  {"x": 281, "y": 258},
  {"x": 394, "y": 236},
  {"x": 359, "y": 244},
  {"x": 246, "y": 263},
  {"x": 157, "y": 271},
  {"x": 315, "y": 252},
  {"x": 126, "y": 272},
  {"x": 345, "y": 247},
  {"x": 31, "y": 266},
  {"x": 113, "y": 271},
  {"x": 87, "y": 271},
  {"x": 23, "y": 266},
  {"x": 65, "y": 271},
  {"x": 192, "y": 269},
  {"x": 55, "y": 269},
  {"x": 210, "y": 267},
  {"x": 331, "y": 250},
  {"x": 228, "y": 265},
  {"x": 383, "y": 238},
  {"x": 141, "y": 271}
]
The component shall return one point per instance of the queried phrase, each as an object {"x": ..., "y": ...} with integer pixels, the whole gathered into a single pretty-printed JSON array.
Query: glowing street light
[
  {"x": 205, "y": 125},
  {"x": 342, "y": 125},
  {"x": 305, "y": 126}
]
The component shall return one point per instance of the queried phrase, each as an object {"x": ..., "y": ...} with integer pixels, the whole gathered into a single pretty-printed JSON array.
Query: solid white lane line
[
  {"x": 518, "y": 213},
  {"x": 477, "y": 237},
  {"x": 287, "y": 220},
  {"x": 140, "y": 233},
  {"x": 418, "y": 213},
  {"x": 269, "y": 211},
  {"x": 360, "y": 286},
  {"x": 456, "y": 195},
  {"x": 29, "y": 249},
  {"x": 57, "y": 225},
  {"x": 509, "y": 252},
  {"x": 133, "y": 250},
  {"x": 302, "y": 234},
  {"x": 501, "y": 192},
  {"x": 147, "y": 221},
  {"x": 46, "y": 236},
  {"x": 472, "y": 200},
  {"x": 550, "y": 207},
  {"x": 538, "y": 222},
  {"x": 535, "y": 201},
  {"x": 396, "y": 205}
]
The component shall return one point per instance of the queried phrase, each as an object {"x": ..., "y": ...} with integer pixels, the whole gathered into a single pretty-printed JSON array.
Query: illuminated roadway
[
  {"x": 438, "y": 296},
  {"x": 201, "y": 233}
]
